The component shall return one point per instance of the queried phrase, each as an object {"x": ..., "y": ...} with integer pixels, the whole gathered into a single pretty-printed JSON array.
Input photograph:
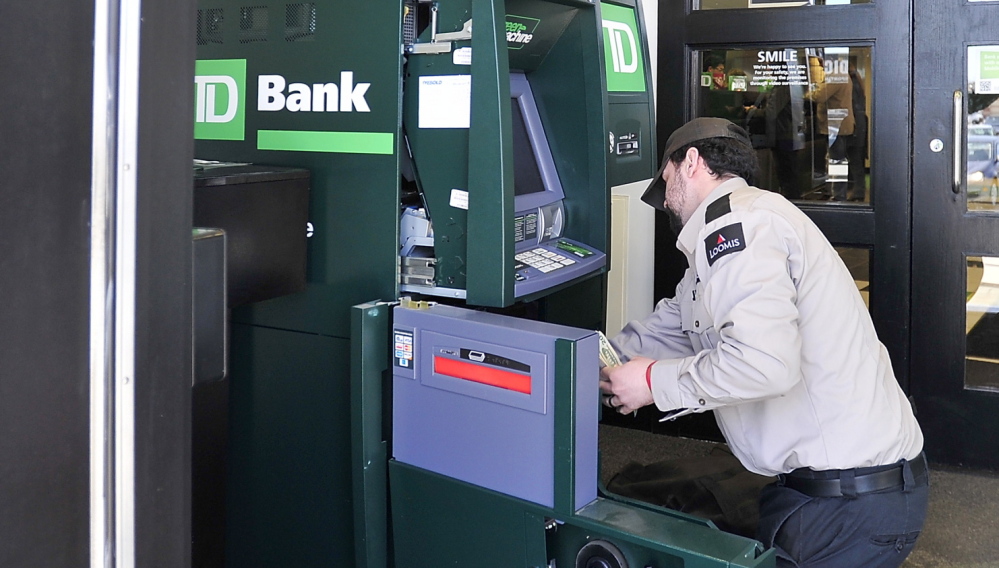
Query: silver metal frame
[
  {"x": 101, "y": 291},
  {"x": 117, "y": 27},
  {"x": 125, "y": 275}
]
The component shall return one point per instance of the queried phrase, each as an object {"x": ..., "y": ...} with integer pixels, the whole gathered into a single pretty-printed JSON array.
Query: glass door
[
  {"x": 955, "y": 263},
  {"x": 823, "y": 90}
]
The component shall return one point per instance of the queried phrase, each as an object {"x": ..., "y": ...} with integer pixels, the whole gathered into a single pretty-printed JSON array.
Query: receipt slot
[{"x": 492, "y": 457}]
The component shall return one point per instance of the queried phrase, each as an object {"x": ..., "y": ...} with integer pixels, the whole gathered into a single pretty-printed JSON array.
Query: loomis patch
[{"x": 724, "y": 241}]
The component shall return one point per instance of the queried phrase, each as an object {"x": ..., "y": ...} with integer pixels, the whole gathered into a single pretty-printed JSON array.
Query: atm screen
[
  {"x": 536, "y": 182},
  {"x": 526, "y": 176}
]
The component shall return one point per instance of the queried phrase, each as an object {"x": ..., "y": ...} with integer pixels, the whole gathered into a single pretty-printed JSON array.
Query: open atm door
[
  {"x": 507, "y": 151},
  {"x": 492, "y": 458}
]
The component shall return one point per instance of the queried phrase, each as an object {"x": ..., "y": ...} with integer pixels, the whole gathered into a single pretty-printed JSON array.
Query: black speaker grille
[
  {"x": 300, "y": 22},
  {"x": 253, "y": 22},
  {"x": 210, "y": 26}
]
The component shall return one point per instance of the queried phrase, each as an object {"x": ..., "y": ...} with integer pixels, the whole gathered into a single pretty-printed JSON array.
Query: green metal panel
[
  {"x": 632, "y": 118},
  {"x": 565, "y": 427},
  {"x": 289, "y": 500},
  {"x": 352, "y": 153},
  {"x": 490, "y": 212},
  {"x": 630, "y": 109},
  {"x": 652, "y": 534},
  {"x": 438, "y": 521},
  {"x": 441, "y": 154},
  {"x": 571, "y": 101},
  {"x": 533, "y": 28},
  {"x": 369, "y": 365}
]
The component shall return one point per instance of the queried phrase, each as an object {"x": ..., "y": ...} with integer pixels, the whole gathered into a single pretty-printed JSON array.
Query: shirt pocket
[{"x": 695, "y": 320}]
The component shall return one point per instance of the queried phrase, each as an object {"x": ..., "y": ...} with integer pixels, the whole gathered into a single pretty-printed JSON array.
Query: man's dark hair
[
  {"x": 723, "y": 156},
  {"x": 713, "y": 61}
]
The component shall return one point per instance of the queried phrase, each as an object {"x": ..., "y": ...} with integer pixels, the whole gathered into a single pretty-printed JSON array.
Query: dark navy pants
[{"x": 872, "y": 530}]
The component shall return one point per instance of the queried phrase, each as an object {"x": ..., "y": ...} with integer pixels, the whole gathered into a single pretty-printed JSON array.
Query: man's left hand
[{"x": 626, "y": 385}]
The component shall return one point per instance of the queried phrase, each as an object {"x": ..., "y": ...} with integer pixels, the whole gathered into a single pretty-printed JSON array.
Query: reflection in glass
[
  {"x": 858, "y": 262},
  {"x": 807, "y": 111},
  {"x": 732, "y": 4},
  {"x": 983, "y": 124},
  {"x": 982, "y": 324}
]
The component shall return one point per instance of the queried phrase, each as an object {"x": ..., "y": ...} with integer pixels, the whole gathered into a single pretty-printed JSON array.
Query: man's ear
[{"x": 692, "y": 161}]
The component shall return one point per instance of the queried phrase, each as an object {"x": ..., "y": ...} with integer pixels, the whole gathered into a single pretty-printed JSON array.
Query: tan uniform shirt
[{"x": 769, "y": 330}]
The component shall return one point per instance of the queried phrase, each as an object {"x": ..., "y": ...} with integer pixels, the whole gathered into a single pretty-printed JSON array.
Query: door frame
[{"x": 959, "y": 424}]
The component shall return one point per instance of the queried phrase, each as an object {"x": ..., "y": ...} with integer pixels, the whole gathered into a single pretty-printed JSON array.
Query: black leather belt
[{"x": 836, "y": 483}]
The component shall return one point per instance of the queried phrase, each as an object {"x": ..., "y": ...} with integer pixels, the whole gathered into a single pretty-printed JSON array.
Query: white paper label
[
  {"x": 462, "y": 56},
  {"x": 445, "y": 101},
  {"x": 459, "y": 199}
]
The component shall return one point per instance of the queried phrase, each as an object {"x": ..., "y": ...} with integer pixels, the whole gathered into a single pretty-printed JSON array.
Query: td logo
[
  {"x": 622, "y": 53},
  {"x": 219, "y": 99}
]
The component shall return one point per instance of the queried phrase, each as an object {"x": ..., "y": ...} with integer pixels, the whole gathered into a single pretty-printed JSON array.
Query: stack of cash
[{"x": 608, "y": 356}]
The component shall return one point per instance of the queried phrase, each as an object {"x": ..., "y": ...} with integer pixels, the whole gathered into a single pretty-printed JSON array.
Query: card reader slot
[{"x": 495, "y": 360}]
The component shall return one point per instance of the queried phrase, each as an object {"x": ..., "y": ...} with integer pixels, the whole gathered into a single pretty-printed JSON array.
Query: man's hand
[{"x": 626, "y": 386}]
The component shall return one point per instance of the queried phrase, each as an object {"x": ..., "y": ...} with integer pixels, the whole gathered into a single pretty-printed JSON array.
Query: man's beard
[
  {"x": 675, "y": 223},
  {"x": 675, "y": 199}
]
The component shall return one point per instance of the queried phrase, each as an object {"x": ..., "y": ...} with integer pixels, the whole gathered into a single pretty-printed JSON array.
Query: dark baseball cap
[{"x": 697, "y": 129}]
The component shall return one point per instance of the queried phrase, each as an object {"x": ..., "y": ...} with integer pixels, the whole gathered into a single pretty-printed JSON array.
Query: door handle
[{"x": 958, "y": 130}]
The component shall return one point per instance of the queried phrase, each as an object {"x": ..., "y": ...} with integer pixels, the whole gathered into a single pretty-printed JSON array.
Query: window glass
[
  {"x": 807, "y": 110},
  {"x": 982, "y": 324},
  {"x": 983, "y": 128},
  {"x": 858, "y": 262},
  {"x": 731, "y": 4}
]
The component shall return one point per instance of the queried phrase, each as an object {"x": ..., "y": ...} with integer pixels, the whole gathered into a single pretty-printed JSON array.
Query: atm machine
[
  {"x": 508, "y": 196},
  {"x": 430, "y": 397}
]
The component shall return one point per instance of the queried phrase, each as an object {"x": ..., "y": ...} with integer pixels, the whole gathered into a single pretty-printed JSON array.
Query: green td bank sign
[
  {"x": 622, "y": 51},
  {"x": 219, "y": 99},
  {"x": 220, "y": 90}
]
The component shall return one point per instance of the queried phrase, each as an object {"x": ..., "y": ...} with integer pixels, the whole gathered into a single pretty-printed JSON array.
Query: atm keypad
[{"x": 544, "y": 260}]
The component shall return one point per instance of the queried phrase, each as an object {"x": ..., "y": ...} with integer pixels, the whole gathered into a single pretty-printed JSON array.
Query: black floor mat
[{"x": 715, "y": 487}]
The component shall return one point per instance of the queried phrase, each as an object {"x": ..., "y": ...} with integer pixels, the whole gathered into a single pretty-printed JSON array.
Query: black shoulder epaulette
[{"x": 717, "y": 208}]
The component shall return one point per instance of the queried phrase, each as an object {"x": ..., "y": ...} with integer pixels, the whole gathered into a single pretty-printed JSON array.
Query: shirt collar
[{"x": 688, "y": 238}]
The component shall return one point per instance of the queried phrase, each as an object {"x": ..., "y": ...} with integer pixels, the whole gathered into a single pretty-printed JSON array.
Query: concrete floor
[{"x": 962, "y": 527}]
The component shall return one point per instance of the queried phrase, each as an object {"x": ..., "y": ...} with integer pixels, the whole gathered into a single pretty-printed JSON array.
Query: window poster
[{"x": 983, "y": 69}]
